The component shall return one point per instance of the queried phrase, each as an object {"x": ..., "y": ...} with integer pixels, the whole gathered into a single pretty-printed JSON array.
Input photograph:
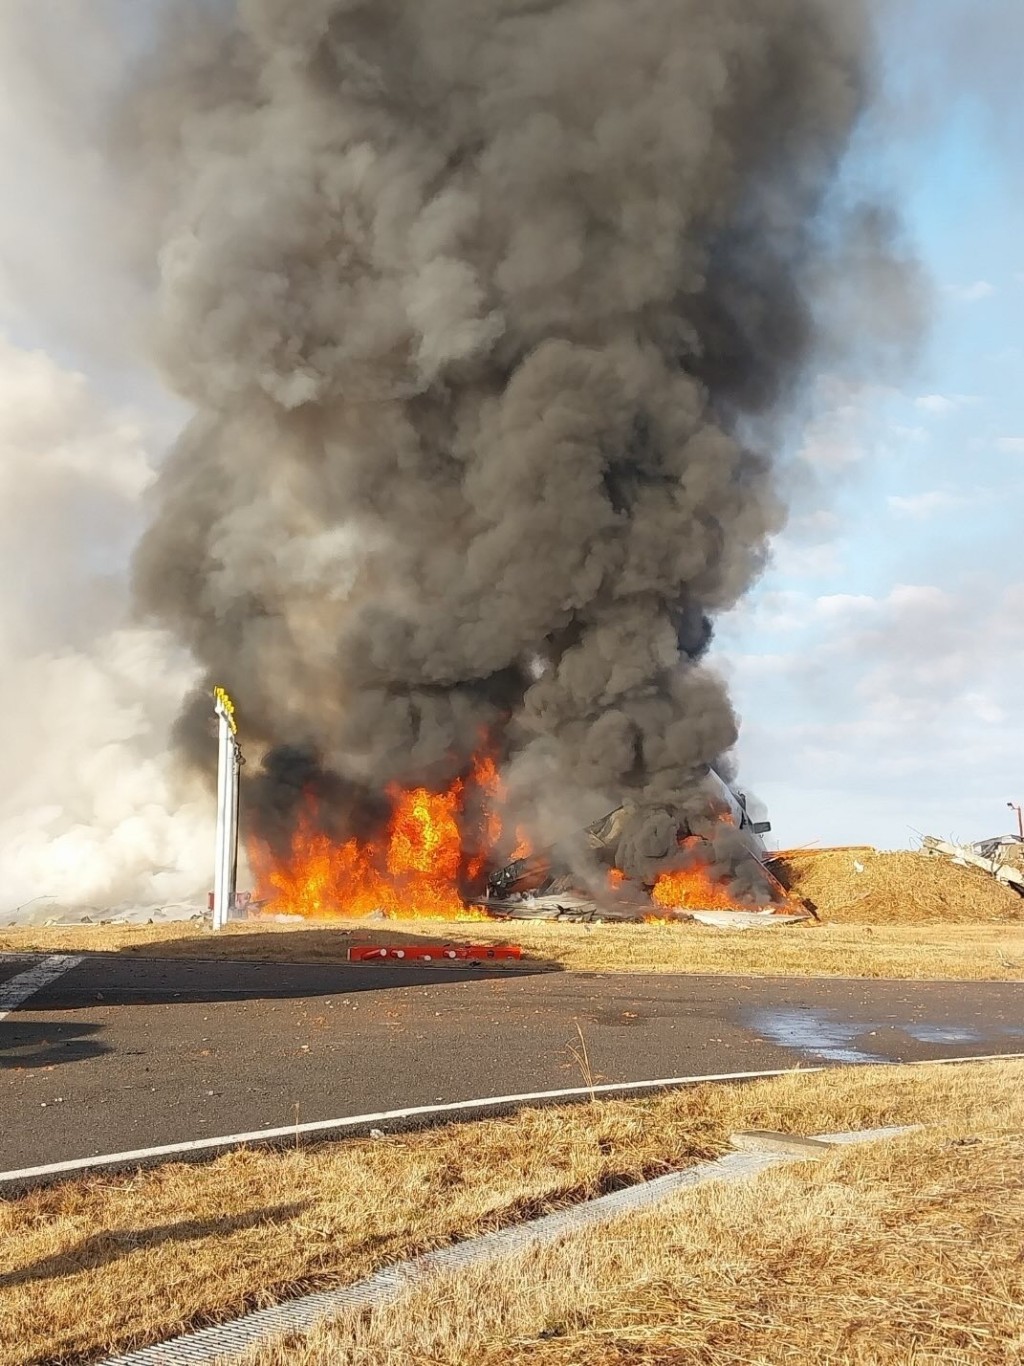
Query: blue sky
[{"x": 877, "y": 667}]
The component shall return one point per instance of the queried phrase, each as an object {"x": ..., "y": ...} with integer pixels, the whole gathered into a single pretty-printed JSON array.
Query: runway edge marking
[
  {"x": 17, "y": 990},
  {"x": 356, "y": 1123}
]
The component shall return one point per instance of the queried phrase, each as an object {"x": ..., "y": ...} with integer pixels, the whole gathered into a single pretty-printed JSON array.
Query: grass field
[
  {"x": 955, "y": 951},
  {"x": 153, "y": 1253},
  {"x": 905, "y": 1253}
]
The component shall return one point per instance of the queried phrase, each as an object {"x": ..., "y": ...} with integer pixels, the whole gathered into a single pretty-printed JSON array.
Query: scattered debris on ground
[
  {"x": 968, "y": 855},
  {"x": 584, "y": 881},
  {"x": 1002, "y": 849}
]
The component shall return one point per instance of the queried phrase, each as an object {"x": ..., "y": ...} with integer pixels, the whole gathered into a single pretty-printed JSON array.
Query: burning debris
[
  {"x": 488, "y": 315},
  {"x": 434, "y": 856},
  {"x": 694, "y": 879}
]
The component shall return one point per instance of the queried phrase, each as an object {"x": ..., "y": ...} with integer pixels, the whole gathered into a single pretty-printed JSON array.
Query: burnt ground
[{"x": 119, "y": 1054}]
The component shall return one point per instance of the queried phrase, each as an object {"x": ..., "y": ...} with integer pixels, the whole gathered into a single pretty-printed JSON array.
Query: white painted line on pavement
[
  {"x": 356, "y": 1122},
  {"x": 329, "y": 1126},
  {"x": 17, "y": 990}
]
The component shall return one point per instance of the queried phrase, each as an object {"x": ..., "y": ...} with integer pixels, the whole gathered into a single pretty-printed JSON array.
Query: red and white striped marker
[{"x": 426, "y": 953}]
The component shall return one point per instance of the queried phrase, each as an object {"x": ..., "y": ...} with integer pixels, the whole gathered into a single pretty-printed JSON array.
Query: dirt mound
[{"x": 864, "y": 886}]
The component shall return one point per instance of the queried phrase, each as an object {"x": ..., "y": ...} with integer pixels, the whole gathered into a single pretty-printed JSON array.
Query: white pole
[
  {"x": 219, "y": 865},
  {"x": 227, "y": 811},
  {"x": 232, "y": 832}
]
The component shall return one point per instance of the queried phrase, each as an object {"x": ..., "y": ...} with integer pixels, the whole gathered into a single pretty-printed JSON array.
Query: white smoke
[{"x": 91, "y": 809}]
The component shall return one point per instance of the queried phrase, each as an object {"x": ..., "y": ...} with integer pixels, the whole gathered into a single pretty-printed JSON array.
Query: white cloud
[
  {"x": 939, "y": 405},
  {"x": 922, "y": 506},
  {"x": 898, "y": 712},
  {"x": 916, "y": 435},
  {"x": 767, "y": 612},
  {"x": 756, "y": 667},
  {"x": 1012, "y": 445},
  {"x": 973, "y": 293},
  {"x": 836, "y": 606},
  {"x": 935, "y": 403},
  {"x": 53, "y": 428},
  {"x": 983, "y": 705}
]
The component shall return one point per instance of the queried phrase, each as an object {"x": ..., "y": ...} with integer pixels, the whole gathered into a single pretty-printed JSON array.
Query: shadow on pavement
[
  {"x": 27, "y": 1045},
  {"x": 191, "y": 971},
  {"x": 102, "y": 1248},
  {"x": 322, "y": 944},
  {"x": 236, "y": 967}
]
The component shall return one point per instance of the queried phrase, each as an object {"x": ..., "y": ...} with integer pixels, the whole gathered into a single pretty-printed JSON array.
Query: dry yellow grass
[
  {"x": 966, "y": 952},
  {"x": 153, "y": 1253},
  {"x": 866, "y": 887},
  {"x": 902, "y": 1254}
]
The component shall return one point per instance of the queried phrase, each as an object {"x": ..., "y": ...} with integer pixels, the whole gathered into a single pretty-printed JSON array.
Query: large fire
[
  {"x": 418, "y": 869},
  {"x": 437, "y": 846}
]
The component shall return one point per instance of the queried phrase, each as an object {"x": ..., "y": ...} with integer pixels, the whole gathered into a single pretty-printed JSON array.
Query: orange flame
[
  {"x": 418, "y": 870},
  {"x": 523, "y": 847},
  {"x": 694, "y": 887}
]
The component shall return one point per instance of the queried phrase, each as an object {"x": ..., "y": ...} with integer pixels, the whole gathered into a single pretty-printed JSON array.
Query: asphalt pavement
[{"x": 124, "y": 1053}]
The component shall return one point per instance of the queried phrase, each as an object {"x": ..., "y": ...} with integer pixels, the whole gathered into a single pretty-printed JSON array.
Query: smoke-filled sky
[{"x": 876, "y": 665}]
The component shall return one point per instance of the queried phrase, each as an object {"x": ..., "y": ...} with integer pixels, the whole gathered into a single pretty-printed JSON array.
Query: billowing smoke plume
[
  {"x": 486, "y": 311},
  {"x": 91, "y": 812}
]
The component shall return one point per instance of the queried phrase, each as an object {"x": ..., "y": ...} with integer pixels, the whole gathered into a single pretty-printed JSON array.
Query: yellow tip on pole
[{"x": 226, "y": 708}]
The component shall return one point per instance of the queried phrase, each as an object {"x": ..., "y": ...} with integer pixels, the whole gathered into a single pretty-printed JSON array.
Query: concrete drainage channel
[{"x": 757, "y": 1152}]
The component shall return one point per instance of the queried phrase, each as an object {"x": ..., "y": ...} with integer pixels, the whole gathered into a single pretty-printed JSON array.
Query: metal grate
[{"x": 208, "y": 1345}]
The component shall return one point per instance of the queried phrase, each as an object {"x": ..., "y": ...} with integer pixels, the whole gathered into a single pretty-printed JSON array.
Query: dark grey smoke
[{"x": 474, "y": 301}]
